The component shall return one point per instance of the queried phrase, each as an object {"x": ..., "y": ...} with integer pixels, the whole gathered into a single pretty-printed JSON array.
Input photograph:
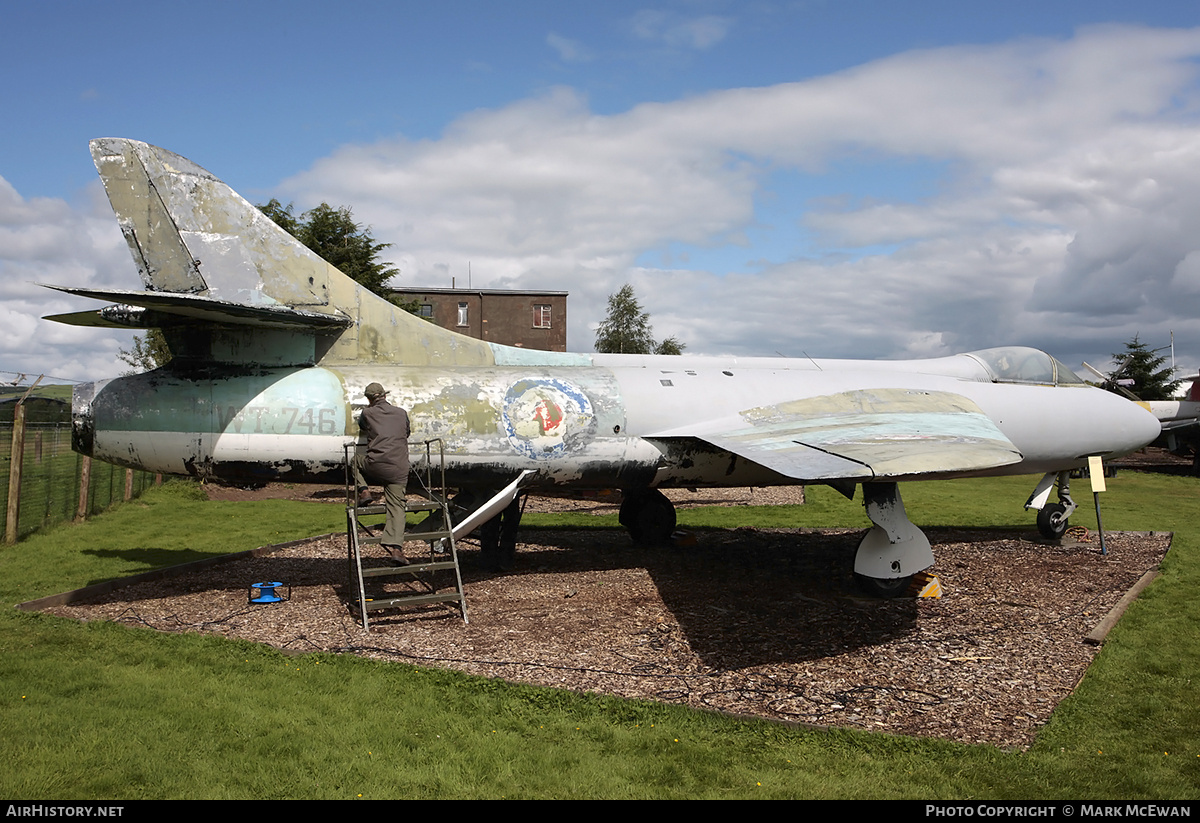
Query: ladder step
[
  {"x": 411, "y": 568},
  {"x": 426, "y": 506},
  {"x": 380, "y": 508},
  {"x": 410, "y": 537},
  {"x": 428, "y": 537},
  {"x": 413, "y": 600}
]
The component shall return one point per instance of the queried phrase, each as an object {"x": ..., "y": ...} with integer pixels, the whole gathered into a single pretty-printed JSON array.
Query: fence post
[
  {"x": 85, "y": 482},
  {"x": 14, "y": 474},
  {"x": 128, "y": 485}
]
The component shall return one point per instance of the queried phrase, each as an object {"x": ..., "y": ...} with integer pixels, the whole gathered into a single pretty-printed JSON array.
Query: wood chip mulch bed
[{"x": 762, "y": 622}]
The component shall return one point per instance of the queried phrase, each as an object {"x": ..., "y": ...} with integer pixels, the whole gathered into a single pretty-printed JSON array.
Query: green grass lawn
[{"x": 103, "y": 711}]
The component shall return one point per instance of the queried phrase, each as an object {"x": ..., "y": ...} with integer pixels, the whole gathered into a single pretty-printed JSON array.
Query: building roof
[{"x": 439, "y": 290}]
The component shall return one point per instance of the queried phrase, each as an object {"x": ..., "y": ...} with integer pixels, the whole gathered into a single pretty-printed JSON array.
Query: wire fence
[{"x": 51, "y": 477}]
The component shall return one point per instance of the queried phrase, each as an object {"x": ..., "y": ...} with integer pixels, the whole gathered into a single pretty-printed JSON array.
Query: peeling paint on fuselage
[
  {"x": 294, "y": 424},
  {"x": 587, "y": 426}
]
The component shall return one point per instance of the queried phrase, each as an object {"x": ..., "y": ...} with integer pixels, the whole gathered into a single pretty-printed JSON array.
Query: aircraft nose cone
[{"x": 1139, "y": 426}]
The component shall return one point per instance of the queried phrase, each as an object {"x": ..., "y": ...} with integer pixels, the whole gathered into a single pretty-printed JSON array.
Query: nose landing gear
[{"x": 1052, "y": 517}]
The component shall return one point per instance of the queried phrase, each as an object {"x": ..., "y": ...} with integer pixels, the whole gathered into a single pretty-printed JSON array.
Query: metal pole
[{"x": 1096, "y": 475}]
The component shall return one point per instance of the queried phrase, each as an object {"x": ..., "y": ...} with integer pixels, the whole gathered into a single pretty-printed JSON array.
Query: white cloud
[
  {"x": 679, "y": 31},
  {"x": 1065, "y": 206},
  {"x": 46, "y": 240},
  {"x": 569, "y": 51},
  {"x": 1058, "y": 205},
  {"x": 543, "y": 187}
]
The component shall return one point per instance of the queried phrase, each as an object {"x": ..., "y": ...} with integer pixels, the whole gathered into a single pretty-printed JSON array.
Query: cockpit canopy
[{"x": 1021, "y": 364}]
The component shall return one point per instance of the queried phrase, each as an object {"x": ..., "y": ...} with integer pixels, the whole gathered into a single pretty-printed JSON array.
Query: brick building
[{"x": 528, "y": 319}]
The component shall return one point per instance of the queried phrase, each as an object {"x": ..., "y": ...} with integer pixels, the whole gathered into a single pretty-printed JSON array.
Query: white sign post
[{"x": 1096, "y": 476}]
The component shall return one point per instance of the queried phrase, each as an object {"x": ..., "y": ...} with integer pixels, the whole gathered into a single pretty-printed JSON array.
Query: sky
[{"x": 824, "y": 178}]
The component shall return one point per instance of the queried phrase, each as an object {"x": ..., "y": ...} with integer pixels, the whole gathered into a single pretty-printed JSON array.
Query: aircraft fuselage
[{"x": 588, "y": 426}]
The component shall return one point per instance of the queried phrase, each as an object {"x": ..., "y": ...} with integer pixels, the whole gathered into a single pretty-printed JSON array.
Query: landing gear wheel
[
  {"x": 649, "y": 516},
  {"x": 880, "y": 587},
  {"x": 1050, "y": 521}
]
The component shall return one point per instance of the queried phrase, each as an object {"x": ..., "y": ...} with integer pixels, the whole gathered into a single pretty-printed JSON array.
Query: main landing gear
[
  {"x": 1052, "y": 517},
  {"x": 888, "y": 556},
  {"x": 894, "y": 549},
  {"x": 649, "y": 517}
]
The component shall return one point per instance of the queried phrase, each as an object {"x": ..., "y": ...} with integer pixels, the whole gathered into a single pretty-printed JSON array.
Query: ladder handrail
[{"x": 429, "y": 466}]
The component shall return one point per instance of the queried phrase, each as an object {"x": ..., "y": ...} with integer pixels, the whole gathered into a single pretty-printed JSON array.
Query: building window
[
  {"x": 462, "y": 314},
  {"x": 427, "y": 310},
  {"x": 541, "y": 315}
]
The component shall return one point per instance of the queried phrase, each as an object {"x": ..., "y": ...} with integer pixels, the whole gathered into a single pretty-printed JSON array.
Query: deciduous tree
[
  {"x": 149, "y": 352},
  {"x": 671, "y": 345}
]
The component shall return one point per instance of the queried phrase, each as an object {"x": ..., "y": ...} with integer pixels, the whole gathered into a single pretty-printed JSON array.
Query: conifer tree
[
  {"x": 626, "y": 328},
  {"x": 1151, "y": 378}
]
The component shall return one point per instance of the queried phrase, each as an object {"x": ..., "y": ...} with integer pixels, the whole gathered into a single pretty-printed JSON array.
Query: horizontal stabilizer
[
  {"x": 186, "y": 308},
  {"x": 95, "y": 319},
  {"x": 863, "y": 435}
]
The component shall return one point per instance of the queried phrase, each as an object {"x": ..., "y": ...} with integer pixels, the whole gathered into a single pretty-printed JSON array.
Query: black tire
[
  {"x": 886, "y": 588},
  {"x": 1050, "y": 521},
  {"x": 648, "y": 516}
]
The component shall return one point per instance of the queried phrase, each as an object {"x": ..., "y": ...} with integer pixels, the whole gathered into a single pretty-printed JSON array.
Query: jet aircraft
[
  {"x": 272, "y": 348},
  {"x": 1179, "y": 418}
]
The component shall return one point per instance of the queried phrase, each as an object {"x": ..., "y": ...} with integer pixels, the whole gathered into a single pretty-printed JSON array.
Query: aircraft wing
[{"x": 861, "y": 435}]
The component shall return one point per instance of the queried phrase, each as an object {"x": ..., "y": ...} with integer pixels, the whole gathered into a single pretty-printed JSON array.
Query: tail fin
[
  {"x": 189, "y": 232},
  {"x": 211, "y": 262}
]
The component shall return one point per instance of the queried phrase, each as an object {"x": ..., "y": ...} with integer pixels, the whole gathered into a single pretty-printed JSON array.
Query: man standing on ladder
[{"x": 385, "y": 462}]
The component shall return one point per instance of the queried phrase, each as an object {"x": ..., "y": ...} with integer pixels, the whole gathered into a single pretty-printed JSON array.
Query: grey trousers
[{"x": 393, "y": 498}]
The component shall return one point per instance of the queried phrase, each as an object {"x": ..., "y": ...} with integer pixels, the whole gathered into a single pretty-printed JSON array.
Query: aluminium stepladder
[{"x": 439, "y": 536}]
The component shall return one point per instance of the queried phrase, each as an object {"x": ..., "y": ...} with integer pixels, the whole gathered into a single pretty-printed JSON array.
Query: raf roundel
[{"x": 547, "y": 417}]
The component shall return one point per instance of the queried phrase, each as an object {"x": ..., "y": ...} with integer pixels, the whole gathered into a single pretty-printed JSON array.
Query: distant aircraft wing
[{"x": 862, "y": 435}]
